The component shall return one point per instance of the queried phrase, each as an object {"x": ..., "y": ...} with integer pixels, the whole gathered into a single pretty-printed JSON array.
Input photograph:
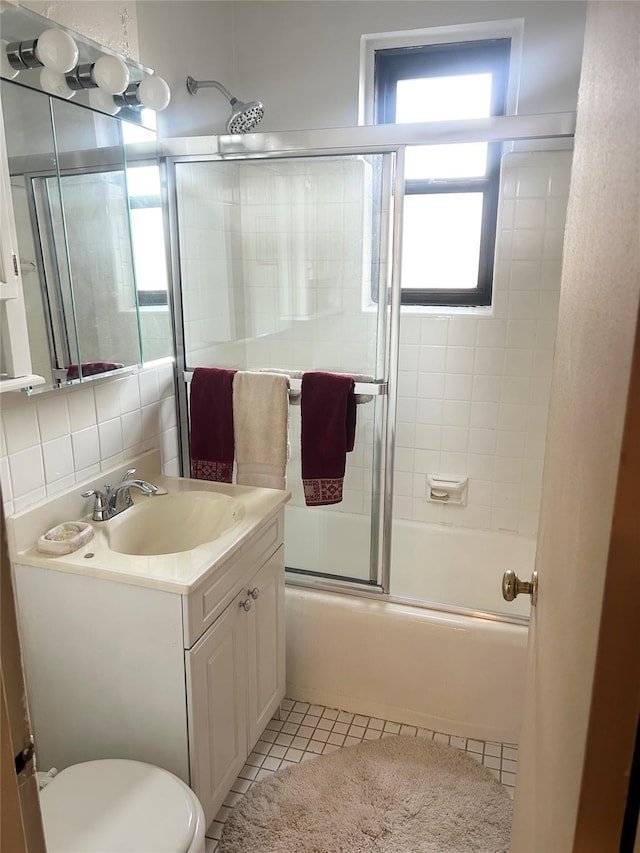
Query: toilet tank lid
[{"x": 118, "y": 806}]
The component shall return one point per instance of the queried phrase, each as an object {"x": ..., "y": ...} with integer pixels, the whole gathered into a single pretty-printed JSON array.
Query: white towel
[
  {"x": 294, "y": 396},
  {"x": 260, "y": 425}
]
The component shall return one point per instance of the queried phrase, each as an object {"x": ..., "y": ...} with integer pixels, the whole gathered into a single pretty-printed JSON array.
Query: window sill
[
  {"x": 154, "y": 309},
  {"x": 448, "y": 310},
  {"x": 439, "y": 310}
]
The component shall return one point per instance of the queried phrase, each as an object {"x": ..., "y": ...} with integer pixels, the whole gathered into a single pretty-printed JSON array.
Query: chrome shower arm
[
  {"x": 244, "y": 116},
  {"x": 193, "y": 86}
]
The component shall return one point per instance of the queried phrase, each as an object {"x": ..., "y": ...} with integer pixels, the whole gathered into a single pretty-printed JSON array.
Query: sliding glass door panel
[{"x": 282, "y": 263}]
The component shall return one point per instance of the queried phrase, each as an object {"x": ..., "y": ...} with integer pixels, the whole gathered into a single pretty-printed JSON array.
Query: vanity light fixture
[
  {"x": 56, "y": 53},
  {"x": 8, "y": 71},
  {"x": 108, "y": 73},
  {"x": 53, "y": 49},
  {"x": 152, "y": 92},
  {"x": 103, "y": 101},
  {"x": 55, "y": 84}
]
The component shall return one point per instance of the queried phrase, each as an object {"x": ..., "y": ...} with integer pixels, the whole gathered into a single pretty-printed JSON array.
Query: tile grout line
[{"x": 270, "y": 755}]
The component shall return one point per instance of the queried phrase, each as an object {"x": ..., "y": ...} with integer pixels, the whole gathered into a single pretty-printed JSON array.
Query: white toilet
[{"x": 120, "y": 806}]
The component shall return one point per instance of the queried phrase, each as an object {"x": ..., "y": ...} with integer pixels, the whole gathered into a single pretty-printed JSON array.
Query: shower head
[{"x": 244, "y": 116}]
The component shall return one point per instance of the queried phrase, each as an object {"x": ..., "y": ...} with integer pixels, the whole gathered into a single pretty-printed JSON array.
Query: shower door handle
[{"x": 512, "y": 586}]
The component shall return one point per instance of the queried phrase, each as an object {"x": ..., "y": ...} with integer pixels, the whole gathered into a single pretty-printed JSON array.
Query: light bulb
[
  {"x": 111, "y": 74},
  {"x": 153, "y": 92},
  {"x": 55, "y": 84},
  {"x": 56, "y": 50},
  {"x": 8, "y": 71},
  {"x": 103, "y": 101}
]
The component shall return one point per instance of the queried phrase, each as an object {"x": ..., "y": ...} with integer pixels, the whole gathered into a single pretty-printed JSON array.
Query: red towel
[
  {"x": 92, "y": 368},
  {"x": 328, "y": 433},
  {"x": 212, "y": 424}
]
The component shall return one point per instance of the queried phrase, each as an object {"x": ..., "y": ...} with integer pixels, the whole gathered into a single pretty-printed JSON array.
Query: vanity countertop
[{"x": 178, "y": 572}]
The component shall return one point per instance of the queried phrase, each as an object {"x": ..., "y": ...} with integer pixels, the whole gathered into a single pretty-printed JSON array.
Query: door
[
  {"x": 217, "y": 708},
  {"x": 9, "y": 262},
  {"x": 266, "y": 650},
  {"x": 594, "y": 348},
  {"x": 283, "y": 264},
  {"x": 15, "y": 358}
]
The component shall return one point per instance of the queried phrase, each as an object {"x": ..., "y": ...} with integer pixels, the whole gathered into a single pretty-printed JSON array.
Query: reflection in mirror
[
  {"x": 148, "y": 241},
  {"x": 86, "y": 194},
  {"x": 94, "y": 221},
  {"x": 30, "y": 145}
]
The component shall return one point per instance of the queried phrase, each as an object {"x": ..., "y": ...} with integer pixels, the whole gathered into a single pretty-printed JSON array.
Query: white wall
[
  {"x": 190, "y": 38},
  {"x": 301, "y": 59},
  {"x": 112, "y": 23}
]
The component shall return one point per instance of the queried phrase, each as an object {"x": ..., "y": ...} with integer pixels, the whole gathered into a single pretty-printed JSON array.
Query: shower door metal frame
[
  {"x": 347, "y": 141},
  {"x": 381, "y": 493}
]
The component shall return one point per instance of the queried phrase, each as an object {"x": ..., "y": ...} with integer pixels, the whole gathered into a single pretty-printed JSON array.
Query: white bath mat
[{"x": 396, "y": 795}]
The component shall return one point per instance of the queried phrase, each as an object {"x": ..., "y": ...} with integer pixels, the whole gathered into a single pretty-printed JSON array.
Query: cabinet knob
[
  {"x": 246, "y": 604},
  {"x": 254, "y": 593}
]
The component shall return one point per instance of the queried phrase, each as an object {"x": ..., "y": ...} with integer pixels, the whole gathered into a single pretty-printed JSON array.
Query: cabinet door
[
  {"x": 9, "y": 271},
  {"x": 217, "y": 707},
  {"x": 14, "y": 334},
  {"x": 266, "y": 653}
]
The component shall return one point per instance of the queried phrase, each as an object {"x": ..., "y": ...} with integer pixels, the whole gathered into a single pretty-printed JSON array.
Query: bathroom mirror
[
  {"x": 86, "y": 196},
  {"x": 85, "y": 190}
]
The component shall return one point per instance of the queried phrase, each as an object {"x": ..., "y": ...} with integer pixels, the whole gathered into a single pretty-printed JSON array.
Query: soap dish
[{"x": 65, "y": 538}]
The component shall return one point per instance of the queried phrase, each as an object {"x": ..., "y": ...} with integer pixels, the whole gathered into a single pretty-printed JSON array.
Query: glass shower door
[{"x": 283, "y": 265}]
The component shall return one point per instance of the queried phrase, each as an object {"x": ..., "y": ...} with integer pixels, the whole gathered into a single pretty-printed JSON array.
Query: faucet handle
[
  {"x": 90, "y": 492},
  {"x": 101, "y": 509},
  {"x": 127, "y": 474}
]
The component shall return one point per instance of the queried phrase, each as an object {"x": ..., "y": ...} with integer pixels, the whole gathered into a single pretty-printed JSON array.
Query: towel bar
[{"x": 295, "y": 385}]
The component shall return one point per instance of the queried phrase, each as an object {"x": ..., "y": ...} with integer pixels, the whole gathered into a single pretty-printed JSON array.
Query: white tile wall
[
  {"x": 482, "y": 383},
  {"x": 473, "y": 388},
  {"x": 52, "y": 441},
  {"x": 209, "y": 213}
]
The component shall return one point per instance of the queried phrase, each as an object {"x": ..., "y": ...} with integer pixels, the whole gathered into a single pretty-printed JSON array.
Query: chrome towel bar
[{"x": 374, "y": 389}]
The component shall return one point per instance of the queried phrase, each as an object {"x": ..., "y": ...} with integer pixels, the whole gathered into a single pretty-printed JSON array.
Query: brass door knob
[{"x": 512, "y": 586}]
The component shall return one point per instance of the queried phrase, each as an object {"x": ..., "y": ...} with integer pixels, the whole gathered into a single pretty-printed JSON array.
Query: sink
[{"x": 169, "y": 524}]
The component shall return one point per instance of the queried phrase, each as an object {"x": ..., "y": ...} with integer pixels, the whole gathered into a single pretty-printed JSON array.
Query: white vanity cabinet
[
  {"x": 244, "y": 651},
  {"x": 184, "y": 681}
]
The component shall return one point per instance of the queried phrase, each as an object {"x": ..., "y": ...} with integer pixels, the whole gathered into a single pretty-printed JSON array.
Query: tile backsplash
[{"x": 51, "y": 441}]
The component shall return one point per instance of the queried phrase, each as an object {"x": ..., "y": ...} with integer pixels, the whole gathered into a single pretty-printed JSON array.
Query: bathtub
[
  {"x": 450, "y": 672},
  {"x": 459, "y": 566}
]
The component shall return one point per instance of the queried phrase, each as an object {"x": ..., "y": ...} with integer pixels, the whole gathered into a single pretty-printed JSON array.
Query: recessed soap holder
[{"x": 442, "y": 489}]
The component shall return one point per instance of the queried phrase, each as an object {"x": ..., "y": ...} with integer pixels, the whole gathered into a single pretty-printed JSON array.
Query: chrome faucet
[{"x": 115, "y": 499}]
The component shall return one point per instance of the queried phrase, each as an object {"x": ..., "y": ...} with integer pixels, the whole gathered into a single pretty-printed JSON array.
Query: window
[
  {"x": 147, "y": 235},
  {"x": 145, "y": 208},
  {"x": 451, "y": 191}
]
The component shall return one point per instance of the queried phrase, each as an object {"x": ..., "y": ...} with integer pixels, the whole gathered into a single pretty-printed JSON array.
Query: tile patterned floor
[{"x": 299, "y": 732}]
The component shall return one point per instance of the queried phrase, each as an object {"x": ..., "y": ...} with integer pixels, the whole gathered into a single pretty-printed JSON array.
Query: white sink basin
[{"x": 169, "y": 524}]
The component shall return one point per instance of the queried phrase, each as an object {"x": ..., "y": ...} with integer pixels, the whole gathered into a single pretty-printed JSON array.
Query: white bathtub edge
[
  {"x": 405, "y": 716},
  {"x": 448, "y": 673}
]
